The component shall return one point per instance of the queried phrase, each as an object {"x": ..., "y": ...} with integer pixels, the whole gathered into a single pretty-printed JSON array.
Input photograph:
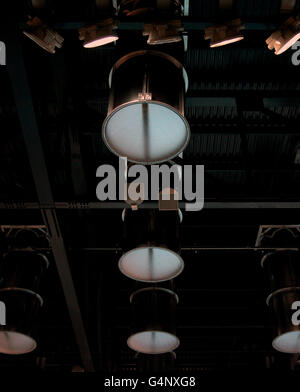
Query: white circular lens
[
  {"x": 288, "y": 342},
  {"x": 153, "y": 342},
  {"x": 16, "y": 343},
  {"x": 146, "y": 132},
  {"x": 151, "y": 264}
]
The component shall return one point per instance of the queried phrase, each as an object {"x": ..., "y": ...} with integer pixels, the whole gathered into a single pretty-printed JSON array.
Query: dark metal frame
[{"x": 29, "y": 125}]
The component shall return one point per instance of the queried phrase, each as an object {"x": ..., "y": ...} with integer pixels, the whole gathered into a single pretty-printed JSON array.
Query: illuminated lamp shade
[
  {"x": 42, "y": 35},
  {"x": 282, "y": 268},
  {"x": 145, "y": 120},
  {"x": 163, "y": 33},
  {"x": 224, "y": 34},
  {"x": 282, "y": 39},
  {"x": 154, "y": 321},
  {"x": 288, "y": 333},
  {"x": 20, "y": 273},
  {"x": 22, "y": 309},
  {"x": 98, "y": 34},
  {"x": 151, "y": 244}
]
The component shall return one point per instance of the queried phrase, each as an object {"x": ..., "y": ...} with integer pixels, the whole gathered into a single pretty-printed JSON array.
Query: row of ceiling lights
[{"x": 105, "y": 32}]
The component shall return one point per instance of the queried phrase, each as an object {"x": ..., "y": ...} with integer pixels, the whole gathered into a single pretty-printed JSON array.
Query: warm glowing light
[
  {"x": 224, "y": 34},
  {"x": 227, "y": 42},
  {"x": 101, "y": 41},
  {"x": 282, "y": 39},
  {"x": 99, "y": 34}
]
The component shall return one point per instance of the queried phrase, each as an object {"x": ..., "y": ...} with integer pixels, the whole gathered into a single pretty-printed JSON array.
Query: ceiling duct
[
  {"x": 151, "y": 243},
  {"x": 282, "y": 268},
  {"x": 154, "y": 330},
  {"x": 145, "y": 121},
  {"x": 20, "y": 272}
]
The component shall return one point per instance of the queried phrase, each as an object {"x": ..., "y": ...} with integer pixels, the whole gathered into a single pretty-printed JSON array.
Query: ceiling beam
[
  {"x": 83, "y": 205},
  {"x": 189, "y": 23},
  {"x": 29, "y": 125}
]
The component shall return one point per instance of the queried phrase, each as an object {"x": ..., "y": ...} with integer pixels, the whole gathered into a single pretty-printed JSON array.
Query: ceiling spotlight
[
  {"x": 99, "y": 34},
  {"x": 163, "y": 33},
  {"x": 282, "y": 39},
  {"x": 42, "y": 35},
  {"x": 224, "y": 34}
]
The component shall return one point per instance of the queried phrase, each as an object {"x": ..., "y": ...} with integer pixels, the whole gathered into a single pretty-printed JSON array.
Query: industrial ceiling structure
[{"x": 243, "y": 109}]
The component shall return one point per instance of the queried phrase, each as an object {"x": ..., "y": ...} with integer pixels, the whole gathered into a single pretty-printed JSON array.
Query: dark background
[{"x": 243, "y": 109}]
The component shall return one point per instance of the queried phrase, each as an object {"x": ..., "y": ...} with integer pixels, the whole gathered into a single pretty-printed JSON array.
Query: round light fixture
[
  {"x": 145, "y": 121},
  {"x": 288, "y": 342},
  {"x": 153, "y": 342},
  {"x": 151, "y": 245},
  {"x": 151, "y": 264},
  {"x": 154, "y": 321},
  {"x": 22, "y": 308}
]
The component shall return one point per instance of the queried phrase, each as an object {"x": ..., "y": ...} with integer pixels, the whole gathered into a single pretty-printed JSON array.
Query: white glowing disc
[
  {"x": 151, "y": 264},
  {"x": 288, "y": 342},
  {"x": 146, "y": 132},
  {"x": 153, "y": 342},
  {"x": 16, "y": 343}
]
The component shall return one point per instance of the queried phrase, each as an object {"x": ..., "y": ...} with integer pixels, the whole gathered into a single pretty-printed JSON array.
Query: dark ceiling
[{"x": 243, "y": 109}]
